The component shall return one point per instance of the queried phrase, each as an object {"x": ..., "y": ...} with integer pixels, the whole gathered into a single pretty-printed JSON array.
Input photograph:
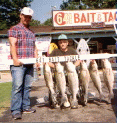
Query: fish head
[
  {"x": 59, "y": 67},
  {"x": 46, "y": 67},
  {"x": 106, "y": 63},
  {"x": 93, "y": 65},
  {"x": 70, "y": 66},
  {"x": 83, "y": 49},
  {"x": 83, "y": 65}
]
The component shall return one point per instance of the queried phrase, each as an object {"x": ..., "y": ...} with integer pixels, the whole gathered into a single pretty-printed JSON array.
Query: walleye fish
[
  {"x": 61, "y": 83},
  {"x": 94, "y": 74},
  {"x": 84, "y": 80},
  {"x": 50, "y": 84},
  {"x": 108, "y": 76},
  {"x": 73, "y": 83}
]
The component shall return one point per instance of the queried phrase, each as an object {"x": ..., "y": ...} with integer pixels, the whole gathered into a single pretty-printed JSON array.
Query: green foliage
[
  {"x": 3, "y": 25},
  {"x": 86, "y": 4},
  {"x": 10, "y": 10},
  {"x": 72, "y": 5},
  {"x": 99, "y": 4},
  {"x": 48, "y": 22},
  {"x": 35, "y": 22}
]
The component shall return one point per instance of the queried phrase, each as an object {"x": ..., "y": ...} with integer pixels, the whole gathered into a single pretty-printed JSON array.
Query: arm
[
  {"x": 76, "y": 63},
  {"x": 52, "y": 65},
  {"x": 36, "y": 52},
  {"x": 36, "y": 56},
  {"x": 13, "y": 51}
]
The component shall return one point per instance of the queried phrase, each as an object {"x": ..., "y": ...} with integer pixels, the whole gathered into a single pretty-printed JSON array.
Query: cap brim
[{"x": 26, "y": 14}]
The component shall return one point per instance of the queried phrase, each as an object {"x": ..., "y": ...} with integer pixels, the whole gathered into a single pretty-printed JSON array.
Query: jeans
[{"x": 22, "y": 78}]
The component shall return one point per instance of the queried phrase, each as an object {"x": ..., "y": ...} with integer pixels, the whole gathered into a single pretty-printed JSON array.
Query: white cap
[{"x": 27, "y": 11}]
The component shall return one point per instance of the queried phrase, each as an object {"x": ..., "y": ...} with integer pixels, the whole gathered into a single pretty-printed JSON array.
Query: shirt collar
[{"x": 22, "y": 25}]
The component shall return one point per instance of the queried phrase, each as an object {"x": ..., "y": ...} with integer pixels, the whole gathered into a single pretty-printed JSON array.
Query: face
[
  {"x": 25, "y": 19},
  {"x": 63, "y": 44}
]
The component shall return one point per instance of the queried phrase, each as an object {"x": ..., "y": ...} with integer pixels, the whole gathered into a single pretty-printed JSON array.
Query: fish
[
  {"x": 61, "y": 84},
  {"x": 83, "y": 48},
  {"x": 84, "y": 81},
  {"x": 108, "y": 77},
  {"x": 73, "y": 83},
  {"x": 95, "y": 77},
  {"x": 50, "y": 84}
]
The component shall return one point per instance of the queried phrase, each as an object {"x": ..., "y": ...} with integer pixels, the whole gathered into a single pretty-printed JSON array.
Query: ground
[{"x": 95, "y": 111}]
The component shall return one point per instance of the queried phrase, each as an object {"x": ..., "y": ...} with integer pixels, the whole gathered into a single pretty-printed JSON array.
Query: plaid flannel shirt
[{"x": 25, "y": 45}]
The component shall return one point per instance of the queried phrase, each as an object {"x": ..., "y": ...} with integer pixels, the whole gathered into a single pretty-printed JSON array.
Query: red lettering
[
  {"x": 105, "y": 16},
  {"x": 76, "y": 18},
  {"x": 83, "y": 18},
  {"x": 99, "y": 17},
  {"x": 110, "y": 17},
  {"x": 115, "y": 16},
  {"x": 88, "y": 17},
  {"x": 59, "y": 18},
  {"x": 92, "y": 16}
]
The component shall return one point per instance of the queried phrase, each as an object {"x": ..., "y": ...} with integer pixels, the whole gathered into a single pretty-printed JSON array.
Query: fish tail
[
  {"x": 102, "y": 96},
  {"x": 110, "y": 96}
]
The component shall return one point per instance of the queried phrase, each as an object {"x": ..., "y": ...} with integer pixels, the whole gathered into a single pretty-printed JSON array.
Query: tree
[
  {"x": 48, "y": 22},
  {"x": 34, "y": 22},
  {"x": 86, "y": 4},
  {"x": 99, "y": 4},
  {"x": 10, "y": 10},
  {"x": 72, "y": 5}
]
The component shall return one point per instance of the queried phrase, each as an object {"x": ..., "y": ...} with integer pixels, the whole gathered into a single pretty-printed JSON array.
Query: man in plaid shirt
[{"x": 22, "y": 46}]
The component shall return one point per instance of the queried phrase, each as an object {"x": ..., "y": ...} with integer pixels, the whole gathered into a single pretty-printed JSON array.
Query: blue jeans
[{"x": 22, "y": 78}]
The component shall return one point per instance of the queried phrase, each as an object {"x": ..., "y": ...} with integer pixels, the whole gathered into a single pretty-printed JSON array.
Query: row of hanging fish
[
  {"x": 85, "y": 74},
  {"x": 93, "y": 73},
  {"x": 61, "y": 83}
]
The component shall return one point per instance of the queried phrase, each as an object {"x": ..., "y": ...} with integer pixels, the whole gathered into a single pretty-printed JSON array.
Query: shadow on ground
[
  {"x": 37, "y": 88},
  {"x": 114, "y": 102},
  {"x": 33, "y": 101},
  {"x": 6, "y": 116}
]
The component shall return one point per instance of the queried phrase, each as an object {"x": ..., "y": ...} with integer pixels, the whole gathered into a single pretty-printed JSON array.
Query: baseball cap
[
  {"x": 62, "y": 36},
  {"x": 27, "y": 11}
]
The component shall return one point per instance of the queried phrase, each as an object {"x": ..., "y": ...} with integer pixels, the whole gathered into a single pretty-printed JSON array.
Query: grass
[{"x": 5, "y": 96}]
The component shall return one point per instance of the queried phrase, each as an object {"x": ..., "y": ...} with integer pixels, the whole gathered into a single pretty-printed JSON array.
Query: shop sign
[
  {"x": 115, "y": 23},
  {"x": 93, "y": 18}
]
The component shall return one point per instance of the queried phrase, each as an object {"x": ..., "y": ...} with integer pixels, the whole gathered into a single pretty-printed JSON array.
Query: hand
[
  {"x": 77, "y": 63},
  {"x": 37, "y": 65},
  {"x": 51, "y": 64},
  {"x": 16, "y": 62}
]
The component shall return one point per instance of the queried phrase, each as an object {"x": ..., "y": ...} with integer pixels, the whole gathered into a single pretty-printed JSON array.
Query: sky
[{"x": 42, "y": 8}]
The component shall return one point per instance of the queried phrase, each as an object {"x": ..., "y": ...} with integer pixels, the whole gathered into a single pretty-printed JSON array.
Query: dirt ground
[{"x": 95, "y": 111}]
